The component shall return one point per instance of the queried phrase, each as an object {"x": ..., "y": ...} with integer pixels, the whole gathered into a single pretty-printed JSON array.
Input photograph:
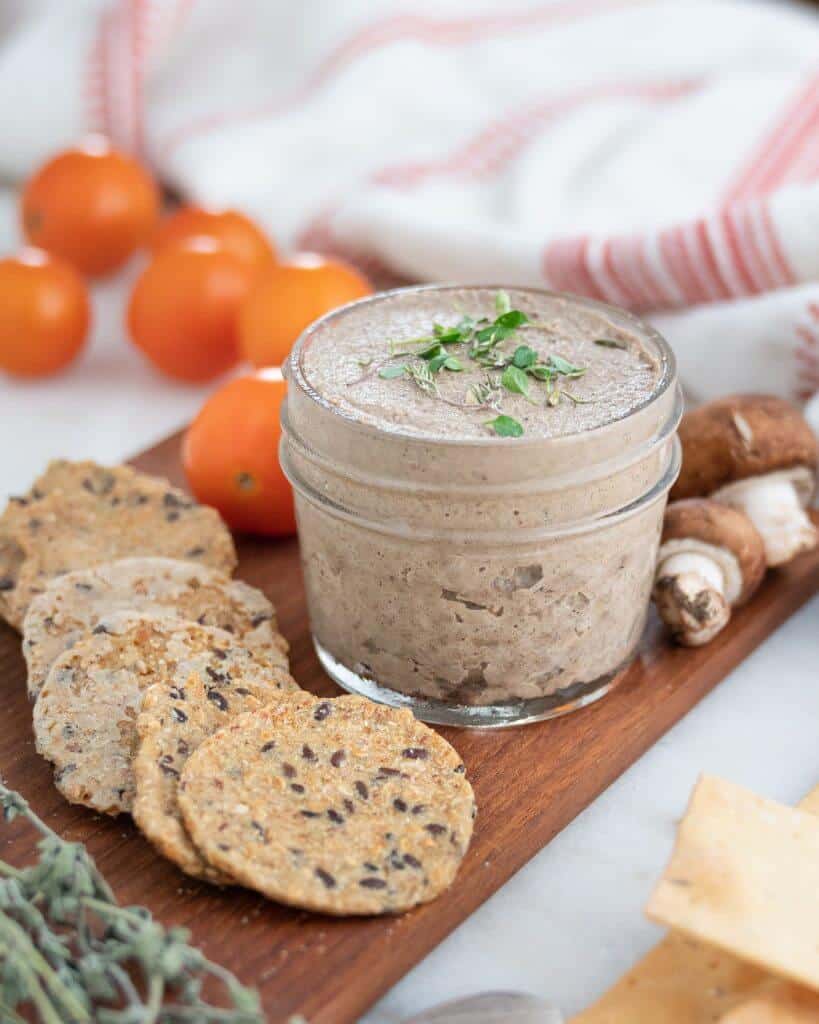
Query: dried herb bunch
[{"x": 69, "y": 953}]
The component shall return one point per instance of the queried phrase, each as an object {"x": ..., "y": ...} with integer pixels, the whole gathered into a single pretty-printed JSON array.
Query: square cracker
[
  {"x": 744, "y": 877},
  {"x": 682, "y": 981},
  {"x": 679, "y": 981},
  {"x": 777, "y": 1002}
]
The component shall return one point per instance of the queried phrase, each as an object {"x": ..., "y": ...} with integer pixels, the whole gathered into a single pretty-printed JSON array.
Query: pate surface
[{"x": 341, "y": 364}]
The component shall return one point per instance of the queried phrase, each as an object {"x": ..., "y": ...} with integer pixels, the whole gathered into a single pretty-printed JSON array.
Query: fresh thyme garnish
[
  {"x": 70, "y": 952},
  {"x": 503, "y": 327},
  {"x": 610, "y": 343},
  {"x": 483, "y": 340}
]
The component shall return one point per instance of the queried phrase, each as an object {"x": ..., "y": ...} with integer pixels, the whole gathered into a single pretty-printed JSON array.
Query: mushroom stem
[
  {"x": 689, "y": 593},
  {"x": 694, "y": 563},
  {"x": 773, "y": 505}
]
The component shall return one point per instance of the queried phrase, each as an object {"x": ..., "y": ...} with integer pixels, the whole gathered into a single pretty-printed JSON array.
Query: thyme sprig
[
  {"x": 421, "y": 376},
  {"x": 483, "y": 341},
  {"x": 486, "y": 394},
  {"x": 69, "y": 954}
]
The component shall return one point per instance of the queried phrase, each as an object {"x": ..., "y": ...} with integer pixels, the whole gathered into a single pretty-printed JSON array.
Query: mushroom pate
[{"x": 477, "y": 576}]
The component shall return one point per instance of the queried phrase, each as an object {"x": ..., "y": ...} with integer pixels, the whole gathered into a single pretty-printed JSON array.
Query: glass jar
[{"x": 483, "y": 581}]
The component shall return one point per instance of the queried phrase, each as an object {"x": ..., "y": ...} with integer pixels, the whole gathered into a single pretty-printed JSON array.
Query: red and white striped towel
[{"x": 662, "y": 155}]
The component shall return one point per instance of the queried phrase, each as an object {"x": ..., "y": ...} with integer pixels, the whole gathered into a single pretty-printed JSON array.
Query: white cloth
[{"x": 660, "y": 154}]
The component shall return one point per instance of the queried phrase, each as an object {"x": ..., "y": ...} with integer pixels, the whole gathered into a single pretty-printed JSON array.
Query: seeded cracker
[
  {"x": 77, "y": 602},
  {"x": 173, "y": 722},
  {"x": 79, "y": 514},
  {"x": 85, "y": 716},
  {"x": 340, "y": 806}
]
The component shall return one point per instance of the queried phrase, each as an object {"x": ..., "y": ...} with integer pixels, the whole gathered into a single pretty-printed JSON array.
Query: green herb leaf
[
  {"x": 524, "y": 357},
  {"x": 513, "y": 319},
  {"x": 515, "y": 380},
  {"x": 444, "y": 362},
  {"x": 502, "y": 303},
  {"x": 391, "y": 372},
  {"x": 491, "y": 335},
  {"x": 434, "y": 348},
  {"x": 542, "y": 372},
  {"x": 452, "y": 336},
  {"x": 505, "y": 426},
  {"x": 564, "y": 367},
  {"x": 610, "y": 343}
]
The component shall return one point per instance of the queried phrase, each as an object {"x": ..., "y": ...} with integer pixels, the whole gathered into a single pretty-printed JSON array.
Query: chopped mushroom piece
[
  {"x": 757, "y": 454},
  {"x": 711, "y": 559}
]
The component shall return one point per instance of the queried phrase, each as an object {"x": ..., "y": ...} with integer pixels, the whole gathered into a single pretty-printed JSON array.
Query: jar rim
[{"x": 294, "y": 368}]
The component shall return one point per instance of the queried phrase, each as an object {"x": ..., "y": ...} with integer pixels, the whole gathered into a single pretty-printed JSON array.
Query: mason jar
[{"x": 479, "y": 579}]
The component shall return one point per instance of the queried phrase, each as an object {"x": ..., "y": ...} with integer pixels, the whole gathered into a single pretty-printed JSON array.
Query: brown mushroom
[
  {"x": 711, "y": 559},
  {"x": 758, "y": 454}
]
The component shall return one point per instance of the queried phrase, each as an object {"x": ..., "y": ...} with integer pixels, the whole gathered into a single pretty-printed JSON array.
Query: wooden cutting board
[{"x": 530, "y": 782}]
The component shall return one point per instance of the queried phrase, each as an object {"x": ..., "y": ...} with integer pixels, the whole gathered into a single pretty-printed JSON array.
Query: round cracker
[
  {"x": 76, "y": 603},
  {"x": 85, "y": 715},
  {"x": 172, "y": 724},
  {"x": 340, "y": 806},
  {"x": 79, "y": 514}
]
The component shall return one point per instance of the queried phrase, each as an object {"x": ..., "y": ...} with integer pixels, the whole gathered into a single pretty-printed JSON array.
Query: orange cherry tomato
[
  {"x": 44, "y": 314},
  {"x": 233, "y": 230},
  {"x": 289, "y": 298},
  {"x": 231, "y": 455},
  {"x": 184, "y": 309},
  {"x": 92, "y": 206}
]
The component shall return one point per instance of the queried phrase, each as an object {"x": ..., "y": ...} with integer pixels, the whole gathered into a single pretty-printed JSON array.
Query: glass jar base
[{"x": 471, "y": 716}]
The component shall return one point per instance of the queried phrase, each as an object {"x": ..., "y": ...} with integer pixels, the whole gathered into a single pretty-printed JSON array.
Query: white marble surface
[{"x": 568, "y": 924}]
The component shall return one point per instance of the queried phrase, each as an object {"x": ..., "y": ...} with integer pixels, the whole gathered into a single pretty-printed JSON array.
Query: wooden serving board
[{"x": 530, "y": 782}]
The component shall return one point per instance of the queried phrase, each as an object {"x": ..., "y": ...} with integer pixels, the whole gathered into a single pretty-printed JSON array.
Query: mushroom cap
[
  {"x": 738, "y": 437},
  {"x": 723, "y": 527}
]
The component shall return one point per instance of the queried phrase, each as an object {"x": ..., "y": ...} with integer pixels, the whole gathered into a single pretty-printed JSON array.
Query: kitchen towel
[{"x": 659, "y": 154}]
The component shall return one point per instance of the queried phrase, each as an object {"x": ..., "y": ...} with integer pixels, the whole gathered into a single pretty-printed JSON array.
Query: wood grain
[{"x": 530, "y": 782}]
